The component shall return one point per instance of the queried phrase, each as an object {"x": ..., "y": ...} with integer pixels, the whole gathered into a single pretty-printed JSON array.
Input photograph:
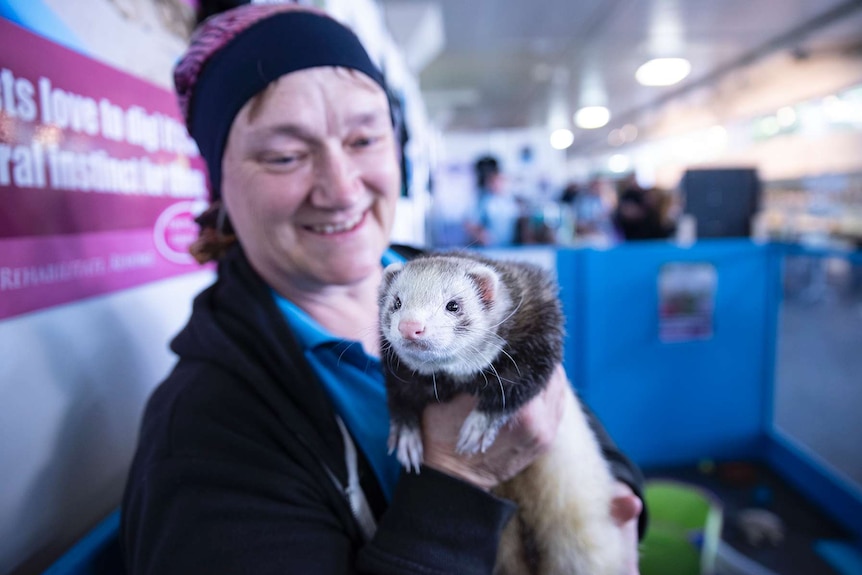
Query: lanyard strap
[{"x": 358, "y": 503}]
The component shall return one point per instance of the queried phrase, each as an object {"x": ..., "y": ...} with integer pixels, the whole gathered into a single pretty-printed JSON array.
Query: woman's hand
[{"x": 520, "y": 441}]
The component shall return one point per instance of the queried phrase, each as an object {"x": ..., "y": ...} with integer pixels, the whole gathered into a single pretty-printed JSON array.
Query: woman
[{"x": 264, "y": 451}]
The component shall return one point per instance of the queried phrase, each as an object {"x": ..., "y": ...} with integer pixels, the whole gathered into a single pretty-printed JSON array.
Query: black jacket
[{"x": 237, "y": 453}]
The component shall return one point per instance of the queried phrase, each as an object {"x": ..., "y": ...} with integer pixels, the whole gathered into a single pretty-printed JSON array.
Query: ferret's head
[{"x": 440, "y": 313}]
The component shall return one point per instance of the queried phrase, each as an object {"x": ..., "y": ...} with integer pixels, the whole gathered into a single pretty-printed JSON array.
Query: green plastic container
[{"x": 684, "y": 529}]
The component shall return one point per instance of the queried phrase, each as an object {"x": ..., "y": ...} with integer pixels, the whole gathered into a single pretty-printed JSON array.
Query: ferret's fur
[{"x": 458, "y": 322}]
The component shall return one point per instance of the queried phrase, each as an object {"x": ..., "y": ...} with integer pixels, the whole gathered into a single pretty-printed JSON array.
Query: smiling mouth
[{"x": 339, "y": 227}]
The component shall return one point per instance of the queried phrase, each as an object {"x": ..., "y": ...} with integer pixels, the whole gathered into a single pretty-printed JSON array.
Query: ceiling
[{"x": 503, "y": 62}]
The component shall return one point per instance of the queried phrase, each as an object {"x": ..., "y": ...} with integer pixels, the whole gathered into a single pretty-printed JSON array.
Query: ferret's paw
[
  {"x": 406, "y": 442},
  {"x": 478, "y": 433}
]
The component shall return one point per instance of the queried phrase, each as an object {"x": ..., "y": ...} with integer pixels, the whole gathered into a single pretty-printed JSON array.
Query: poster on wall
[
  {"x": 686, "y": 292},
  {"x": 99, "y": 180}
]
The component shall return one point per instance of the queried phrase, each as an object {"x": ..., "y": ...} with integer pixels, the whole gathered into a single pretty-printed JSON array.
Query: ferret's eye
[
  {"x": 396, "y": 304},
  {"x": 453, "y": 306}
]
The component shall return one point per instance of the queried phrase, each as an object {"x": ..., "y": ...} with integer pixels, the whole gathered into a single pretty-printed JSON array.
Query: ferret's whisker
[
  {"x": 500, "y": 381},
  {"x": 482, "y": 373},
  {"x": 517, "y": 307},
  {"x": 348, "y": 345},
  {"x": 515, "y": 363},
  {"x": 489, "y": 333}
]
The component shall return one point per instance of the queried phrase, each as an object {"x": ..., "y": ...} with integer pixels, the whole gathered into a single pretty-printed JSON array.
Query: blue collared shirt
[{"x": 354, "y": 381}]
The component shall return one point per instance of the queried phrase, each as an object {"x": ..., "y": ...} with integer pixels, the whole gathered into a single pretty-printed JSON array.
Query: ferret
[{"x": 459, "y": 322}]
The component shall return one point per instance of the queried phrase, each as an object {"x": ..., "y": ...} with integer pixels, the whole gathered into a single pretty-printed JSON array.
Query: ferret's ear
[
  {"x": 389, "y": 273},
  {"x": 486, "y": 283}
]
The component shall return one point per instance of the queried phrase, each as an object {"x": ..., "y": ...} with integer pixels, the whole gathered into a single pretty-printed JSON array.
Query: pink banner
[
  {"x": 40, "y": 272},
  {"x": 99, "y": 180}
]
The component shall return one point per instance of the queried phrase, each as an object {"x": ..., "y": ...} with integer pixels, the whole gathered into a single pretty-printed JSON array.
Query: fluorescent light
[
  {"x": 562, "y": 139},
  {"x": 592, "y": 117},
  {"x": 663, "y": 71}
]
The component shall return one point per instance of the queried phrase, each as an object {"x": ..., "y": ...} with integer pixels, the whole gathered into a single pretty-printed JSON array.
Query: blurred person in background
[
  {"x": 570, "y": 194},
  {"x": 498, "y": 212},
  {"x": 592, "y": 217},
  {"x": 641, "y": 214}
]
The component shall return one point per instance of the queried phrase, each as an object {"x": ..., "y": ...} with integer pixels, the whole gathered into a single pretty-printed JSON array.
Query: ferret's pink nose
[{"x": 411, "y": 329}]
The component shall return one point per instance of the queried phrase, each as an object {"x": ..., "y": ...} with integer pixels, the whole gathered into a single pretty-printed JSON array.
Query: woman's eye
[
  {"x": 363, "y": 142},
  {"x": 453, "y": 306},
  {"x": 280, "y": 160}
]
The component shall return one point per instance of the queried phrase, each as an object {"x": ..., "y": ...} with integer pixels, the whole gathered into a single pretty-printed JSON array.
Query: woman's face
[{"x": 311, "y": 179}]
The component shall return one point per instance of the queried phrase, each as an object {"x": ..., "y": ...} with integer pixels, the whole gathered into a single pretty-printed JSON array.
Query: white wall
[
  {"x": 73, "y": 382},
  {"x": 140, "y": 37}
]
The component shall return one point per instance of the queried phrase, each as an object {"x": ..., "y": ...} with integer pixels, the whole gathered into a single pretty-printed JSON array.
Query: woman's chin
[{"x": 352, "y": 265}]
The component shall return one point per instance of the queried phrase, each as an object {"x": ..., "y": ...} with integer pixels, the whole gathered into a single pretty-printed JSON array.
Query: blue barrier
[
  {"x": 679, "y": 402},
  {"x": 97, "y": 553}
]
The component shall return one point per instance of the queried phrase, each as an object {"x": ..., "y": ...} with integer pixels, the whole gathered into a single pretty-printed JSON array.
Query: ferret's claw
[
  {"x": 407, "y": 443},
  {"x": 477, "y": 433}
]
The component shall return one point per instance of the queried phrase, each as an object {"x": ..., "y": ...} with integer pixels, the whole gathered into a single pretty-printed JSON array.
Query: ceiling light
[
  {"x": 629, "y": 132},
  {"x": 786, "y": 116},
  {"x": 562, "y": 139},
  {"x": 663, "y": 71},
  {"x": 618, "y": 163},
  {"x": 717, "y": 134},
  {"x": 592, "y": 117}
]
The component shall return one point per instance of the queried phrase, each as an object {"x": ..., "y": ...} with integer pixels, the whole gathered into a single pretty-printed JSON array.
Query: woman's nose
[{"x": 337, "y": 183}]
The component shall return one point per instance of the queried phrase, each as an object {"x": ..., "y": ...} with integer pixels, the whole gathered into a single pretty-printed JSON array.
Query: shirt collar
[{"x": 309, "y": 333}]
